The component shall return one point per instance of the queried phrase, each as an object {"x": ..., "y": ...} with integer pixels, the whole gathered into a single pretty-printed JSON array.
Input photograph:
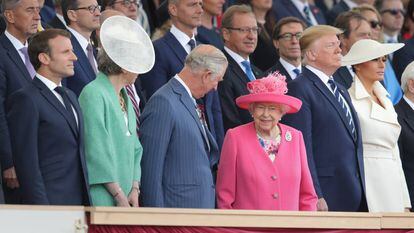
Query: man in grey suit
[{"x": 179, "y": 151}]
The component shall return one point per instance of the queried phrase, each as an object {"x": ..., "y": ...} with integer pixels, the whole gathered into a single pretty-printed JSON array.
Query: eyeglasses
[
  {"x": 91, "y": 8},
  {"x": 383, "y": 59},
  {"x": 127, "y": 3},
  {"x": 254, "y": 30},
  {"x": 375, "y": 24},
  {"x": 393, "y": 12},
  {"x": 289, "y": 36}
]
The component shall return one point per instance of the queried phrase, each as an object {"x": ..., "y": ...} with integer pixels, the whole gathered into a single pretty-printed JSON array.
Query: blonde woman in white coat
[{"x": 386, "y": 188}]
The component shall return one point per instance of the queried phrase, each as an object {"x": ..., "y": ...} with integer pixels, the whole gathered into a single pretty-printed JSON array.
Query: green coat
[{"x": 111, "y": 155}]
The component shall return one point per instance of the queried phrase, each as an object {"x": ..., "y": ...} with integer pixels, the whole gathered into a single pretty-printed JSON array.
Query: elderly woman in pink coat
[{"x": 263, "y": 164}]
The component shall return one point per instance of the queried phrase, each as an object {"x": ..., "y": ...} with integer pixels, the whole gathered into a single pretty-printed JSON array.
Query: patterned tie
[
  {"x": 192, "y": 44},
  {"x": 306, "y": 12},
  {"x": 27, "y": 63},
  {"x": 344, "y": 107},
  {"x": 66, "y": 102},
  {"x": 135, "y": 105},
  {"x": 296, "y": 71},
  {"x": 202, "y": 117},
  {"x": 249, "y": 71},
  {"x": 91, "y": 57}
]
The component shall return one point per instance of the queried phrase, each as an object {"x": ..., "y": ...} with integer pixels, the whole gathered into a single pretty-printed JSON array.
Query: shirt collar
[
  {"x": 321, "y": 75},
  {"x": 82, "y": 40},
  {"x": 60, "y": 17},
  {"x": 185, "y": 87},
  {"x": 239, "y": 59},
  {"x": 388, "y": 37},
  {"x": 300, "y": 4},
  {"x": 181, "y": 36},
  {"x": 51, "y": 85},
  {"x": 409, "y": 102},
  {"x": 289, "y": 67},
  {"x": 351, "y": 4},
  {"x": 16, "y": 43},
  {"x": 361, "y": 92}
]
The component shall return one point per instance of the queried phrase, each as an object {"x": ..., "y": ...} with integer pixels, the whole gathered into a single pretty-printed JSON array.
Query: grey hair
[
  {"x": 106, "y": 65},
  {"x": 407, "y": 75},
  {"x": 214, "y": 61},
  {"x": 8, "y": 4}
]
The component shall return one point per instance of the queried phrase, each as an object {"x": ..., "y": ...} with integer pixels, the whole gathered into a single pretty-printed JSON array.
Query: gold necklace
[{"x": 122, "y": 102}]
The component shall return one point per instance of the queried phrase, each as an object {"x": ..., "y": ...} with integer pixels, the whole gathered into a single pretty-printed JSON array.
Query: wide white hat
[
  {"x": 127, "y": 44},
  {"x": 366, "y": 50}
]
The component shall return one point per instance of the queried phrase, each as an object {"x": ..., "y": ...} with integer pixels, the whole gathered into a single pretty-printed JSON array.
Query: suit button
[
  {"x": 275, "y": 195},
  {"x": 273, "y": 177}
]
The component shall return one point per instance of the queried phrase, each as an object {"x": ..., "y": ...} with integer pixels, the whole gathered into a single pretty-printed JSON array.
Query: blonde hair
[
  {"x": 408, "y": 74},
  {"x": 313, "y": 33}
]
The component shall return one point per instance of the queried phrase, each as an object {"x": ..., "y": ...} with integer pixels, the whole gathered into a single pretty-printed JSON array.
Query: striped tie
[
  {"x": 344, "y": 107},
  {"x": 306, "y": 12},
  {"x": 135, "y": 105}
]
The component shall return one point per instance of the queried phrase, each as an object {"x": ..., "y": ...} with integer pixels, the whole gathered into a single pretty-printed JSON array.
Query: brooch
[{"x": 288, "y": 136}]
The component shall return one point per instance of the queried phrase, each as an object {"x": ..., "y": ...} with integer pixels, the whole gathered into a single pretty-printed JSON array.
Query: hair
[
  {"x": 106, "y": 65},
  {"x": 106, "y": 3},
  {"x": 39, "y": 43},
  {"x": 313, "y": 33},
  {"x": 410, "y": 10},
  {"x": 343, "y": 21},
  {"x": 366, "y": 7},
  {"x": 57, "y": 3},
  {"x": 407, "y": 75},
  {"x": 227, "y": 19},
  {"x": 283, "y": 22},
  {"x": 8, "y": 4},
  {"x": 66, "y": 6},
  {"x": 378, "y": 4},
  {"x": 200, "y": 60}
]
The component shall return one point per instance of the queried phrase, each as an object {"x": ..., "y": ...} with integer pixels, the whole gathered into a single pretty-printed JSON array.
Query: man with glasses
[
  {"x": 82, "y": 18},
  {"x": 286, "y": 37},
  {"x": 355, "y": 27},
  {"x": 22, "y": 18},
  {"x": 239, "y": 31},
  {"x": 392, "y": 13}
]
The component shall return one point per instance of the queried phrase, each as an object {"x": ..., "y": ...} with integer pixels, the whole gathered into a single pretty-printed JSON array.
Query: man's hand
[
  {"x": 322, "y": 205},
  {"x": 10, "y": 178}
]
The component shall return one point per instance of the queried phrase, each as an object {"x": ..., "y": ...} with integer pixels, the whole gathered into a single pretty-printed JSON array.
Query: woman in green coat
[{"x": 113, "y": 151}]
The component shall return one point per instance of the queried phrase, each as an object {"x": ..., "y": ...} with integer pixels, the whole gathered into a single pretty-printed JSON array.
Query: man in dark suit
[
  {"x": 342, "y": 6},
  {"x": 355, "y": 27},
  {"x": 239, "y": 29},
  {"x": 180, "y": 153},
  {"x": 16, "y": 71},
  {"x": 82, "y": 18},
  {"x": 405, "y": 111},
  {"x": 300, "y": 9},
  {"x": 46, "y": 118},
  {"x": 286, "y": 37},
  {"x": 329, "y": 124},
  {"x": 403, "y": 57},
  {"x": 170, "y": 53},
  {"x": 58, "y": 21}
]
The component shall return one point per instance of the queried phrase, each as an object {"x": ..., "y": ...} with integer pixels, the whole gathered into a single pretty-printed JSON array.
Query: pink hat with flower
[{"x": 271, "y": 89}]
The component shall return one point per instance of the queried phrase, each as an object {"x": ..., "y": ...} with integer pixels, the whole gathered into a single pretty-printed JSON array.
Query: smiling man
[
  {"x": 239, "y": 31},
  {"x": 46, "y": 118}
]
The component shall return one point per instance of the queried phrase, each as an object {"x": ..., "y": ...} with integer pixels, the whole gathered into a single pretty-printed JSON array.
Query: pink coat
[{"x": 247, "y": 179}]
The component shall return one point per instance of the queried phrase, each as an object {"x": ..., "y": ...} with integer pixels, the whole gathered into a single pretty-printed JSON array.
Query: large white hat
[
  {"x": 127, "y": 44},
  {"x": 366, "y": 50}
]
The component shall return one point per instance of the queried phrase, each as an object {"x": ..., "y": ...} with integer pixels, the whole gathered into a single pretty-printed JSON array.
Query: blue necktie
[
  {"x": 296, "y": 71},
  {"x": 192, "y": 44},
  {"x": 249, "y": 71},
  {"x": 346, "y": 110}
]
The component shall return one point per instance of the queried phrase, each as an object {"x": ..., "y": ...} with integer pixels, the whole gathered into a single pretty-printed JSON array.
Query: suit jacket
[
  {"x": 56, "y": 23},
  {"x": 386, "y": 188},
  {"x": 285, "y": 8},
  {"x": 234, "y": 84},
  {"x": 335, "y": 11},
  {"x": 403, "y": 57},
  {"x": 83, "y": 70},
  {"x": 51, "y": 165},
  {"x": 265, "y": 54},
  {"x": 279, "y": 67},
  {"x": 247, "y": 178},
  {"x": 343, "y": 77},
  {"x": 334, "y": 157},
  {"x": 169, "y": 61},
  {"x": 405, "y": 142},
  {"x": 173, "y": 140}
]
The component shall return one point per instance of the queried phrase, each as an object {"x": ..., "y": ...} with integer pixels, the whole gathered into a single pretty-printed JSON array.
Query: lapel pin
[{"x": 288, "y": 136}]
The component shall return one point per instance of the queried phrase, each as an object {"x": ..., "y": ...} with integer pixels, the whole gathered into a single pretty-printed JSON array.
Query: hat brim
[
  {"x": 361, "y": 55},
  {"x": 292, "y": 103}
]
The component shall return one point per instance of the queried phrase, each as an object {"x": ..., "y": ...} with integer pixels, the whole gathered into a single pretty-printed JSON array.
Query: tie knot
[
  {"x": 306, "y": 10},
  {"x": 24, "y": 50},
  {"x": 191, "y": 42},
  {"x": 60, "y": 90},
  {"x": 296, "y": 71},
  {"x": 89, "y": 47},
  {"x": 246, "y": 64}
]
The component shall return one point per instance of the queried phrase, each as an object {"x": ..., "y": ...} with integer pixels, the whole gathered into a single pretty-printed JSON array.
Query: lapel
[
  {"x": 176, "y": 47},
  {"x": 82, "y": 59},
  {"x": 236, "y": 69},
  {"x": 14, "y": 56},
  {"x": 331, "y": 98},
  {"x": 51, "y": 98},
  {"x": 283, "y": 71},
  {"x": 188, "y": 104},
  {"x": 408, "y": 114}
]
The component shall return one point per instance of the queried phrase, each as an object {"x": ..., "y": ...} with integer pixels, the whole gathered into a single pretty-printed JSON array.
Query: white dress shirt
[
  {"x": 239, "y": 59},
  {"x": 16, "y": 44},
  {"x": 83, "y": 43},
  {"x": 289, "y": 67},
  {"x": 182, "y": 38},
  {"x": 300, "y": 5}
]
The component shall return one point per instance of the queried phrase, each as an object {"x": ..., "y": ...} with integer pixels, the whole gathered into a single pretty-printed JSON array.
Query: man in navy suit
[
  {"x": 301, "y": 9},
  {"x": 329, "y": 124},
  {"x": 180, "y": 152},
  {"x": 22, "y": 18},
  {"x": 170, "y": 53},
  {"x": 286, "y": 37},
  {"x": 57, "y": 21},
  {"x": 46, "y": 127},
  {"x": 82, "y": 18},
  {"x": 355, "y": 27}
]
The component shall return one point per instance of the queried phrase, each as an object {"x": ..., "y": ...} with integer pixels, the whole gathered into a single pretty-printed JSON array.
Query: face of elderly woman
[
  {"x": 266, "y": 115},
  {"x": 371, "y": 70}
]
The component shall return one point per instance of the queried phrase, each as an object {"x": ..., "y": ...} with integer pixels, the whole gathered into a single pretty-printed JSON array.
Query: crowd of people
[{"x": 303, "y": 105}]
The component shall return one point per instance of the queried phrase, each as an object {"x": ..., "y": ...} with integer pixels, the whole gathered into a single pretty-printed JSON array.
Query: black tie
[
  {"x": 192, "y": 44},
  {"x": 66, "y": 102}
]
